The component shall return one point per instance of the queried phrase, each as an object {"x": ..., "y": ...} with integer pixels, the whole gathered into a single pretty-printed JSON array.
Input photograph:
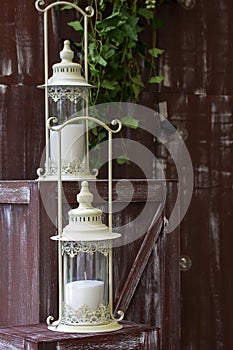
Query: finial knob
[
  {"x": 85, "y": 198},
  {"x": 66, "y": 54}
]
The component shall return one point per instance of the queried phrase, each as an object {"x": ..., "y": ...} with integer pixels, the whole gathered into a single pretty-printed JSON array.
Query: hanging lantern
[
  {"x": 85, "y": 271},
  {"x": 66, "y": 97}
]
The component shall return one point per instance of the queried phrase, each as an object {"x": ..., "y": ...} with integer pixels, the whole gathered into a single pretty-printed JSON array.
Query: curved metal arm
[
  {"x": 71, "y": 121},
  {"x": 120, "y": 314},
  {"x": 89, "y": 10}
]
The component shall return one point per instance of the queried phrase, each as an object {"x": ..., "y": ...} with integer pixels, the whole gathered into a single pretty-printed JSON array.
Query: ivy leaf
[
  {"x": 131, "y": 32},
  {"x": 130, "y": 122},
  {"x": 94, "y": 131},
  {"x": 158, "y": 79},
  {"x": 102, "y": 135},
  {"x": 109, "y": 85},
  {"x": 133, "y": 21},
  {"x": 155, "y": 52},
  {"x": 76, "y": 25},
  {"x": 94, "y": 71},
  {"x": 117, "y": 36},
  {"x": 107, "y": 53},
  {"x": 136, "y": 90},
  {"x": 146, "y": 13},
  {"x": 99, "y": 59},
  {"x": 137, "y": 84},
  {"x": 137, "y": 80},
  {"x": 66, "y": 7},
  {"x": 110, "y": 23},
  {"x": 123, "y": 159},
  {"x": 92, "y": 50}
]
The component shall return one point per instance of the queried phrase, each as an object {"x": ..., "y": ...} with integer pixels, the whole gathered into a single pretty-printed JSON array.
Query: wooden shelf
[{"x": 37, "y": 337}]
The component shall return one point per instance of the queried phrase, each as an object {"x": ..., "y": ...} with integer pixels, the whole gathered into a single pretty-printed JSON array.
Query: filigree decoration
[
  {"x": 73, "y": 248},
  {"x": 74, "y": 168},
  {"x": 68, "y": 168},
  {"x": 86, "y": 316},
  {"x": 72, "y": 94}
]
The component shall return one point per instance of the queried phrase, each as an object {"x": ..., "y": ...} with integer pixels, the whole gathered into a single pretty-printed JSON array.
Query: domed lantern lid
[
  {"x": 67, "y": 72},
  {"x": 85, "y": 222}
]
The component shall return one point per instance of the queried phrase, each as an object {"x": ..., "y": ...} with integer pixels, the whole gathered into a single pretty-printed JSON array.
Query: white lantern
[
  {"x": 86, "y": 273},
  {"x": 66, "y": 97},
  {"x": 85, "y": 245}
]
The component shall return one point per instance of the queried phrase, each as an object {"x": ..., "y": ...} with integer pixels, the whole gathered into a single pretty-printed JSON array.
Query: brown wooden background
[
  {"x": 198, "y": 91},
  {"x": 199, "y": 88}
]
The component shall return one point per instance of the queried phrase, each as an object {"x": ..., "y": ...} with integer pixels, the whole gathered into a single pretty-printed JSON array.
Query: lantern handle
[
  {"x": 89, "y": 9},
  {"x": 54, "y": 120}
]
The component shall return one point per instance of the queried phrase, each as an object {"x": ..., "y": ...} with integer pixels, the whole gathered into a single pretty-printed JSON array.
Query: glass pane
[{"x": 85, "y": 276}]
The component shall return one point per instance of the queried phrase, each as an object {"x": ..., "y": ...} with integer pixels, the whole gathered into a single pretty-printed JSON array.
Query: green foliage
[
  {"x": 155, "y": 52},
  {"x": 158, "y": 79},
  {"x": 117, "y": 54},
  {"x": 130, "y": 122},
  {"x": 116, "y": 48}
]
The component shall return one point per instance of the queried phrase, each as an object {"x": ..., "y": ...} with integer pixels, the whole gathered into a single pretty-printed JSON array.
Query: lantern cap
[
  {"x": 67, "y": 72},
  {"x": 85, "y": 221}
]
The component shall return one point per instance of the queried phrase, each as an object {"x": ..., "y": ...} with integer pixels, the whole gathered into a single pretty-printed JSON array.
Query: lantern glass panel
[
  {"x": 86, "y": 283},
  {"x": 64, "y": 102}
]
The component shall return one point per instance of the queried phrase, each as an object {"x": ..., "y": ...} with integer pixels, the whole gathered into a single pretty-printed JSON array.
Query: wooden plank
[
  {"x": 19, "y": 288},
  {"x": 169, "y": 257},
  {"x": 140, "y": 262},
  {"x": 14, "y": 192},
  {"x": 37, "y": 337},
  {"x": 123, "y": 190}
]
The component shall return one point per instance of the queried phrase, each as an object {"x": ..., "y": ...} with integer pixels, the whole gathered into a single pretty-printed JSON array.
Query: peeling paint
[{"x": 6, "y": 66}]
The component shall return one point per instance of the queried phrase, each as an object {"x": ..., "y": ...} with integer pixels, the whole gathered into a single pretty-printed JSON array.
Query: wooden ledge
[{"x": 37, "y": 337}]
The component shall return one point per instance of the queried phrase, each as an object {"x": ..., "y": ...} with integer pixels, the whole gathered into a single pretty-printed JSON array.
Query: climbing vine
[{"x": 118, "y": 54}]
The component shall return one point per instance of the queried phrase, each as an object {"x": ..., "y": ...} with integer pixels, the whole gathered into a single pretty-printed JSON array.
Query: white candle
[
  {"x": 84, "y": 292},
  {"x": 72, "y": 143}
]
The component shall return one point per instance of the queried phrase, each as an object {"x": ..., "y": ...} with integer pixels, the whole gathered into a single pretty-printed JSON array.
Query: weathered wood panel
[
  {"x": 37, "y": 337},
  {"x": 21, "y": 103},
  {"x": 198, "y": 90},
  {"x": 19, "y": 285}
]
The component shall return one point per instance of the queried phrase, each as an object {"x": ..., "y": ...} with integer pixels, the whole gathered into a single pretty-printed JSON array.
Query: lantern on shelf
[
  {"x": 85, "y": 275},
  {"x": 66, "y": 97}
]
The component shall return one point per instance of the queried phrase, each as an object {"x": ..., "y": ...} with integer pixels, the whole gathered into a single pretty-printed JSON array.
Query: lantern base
[
  {"x": 67, "y": 177},
  {"x": 110, "y": 327}
]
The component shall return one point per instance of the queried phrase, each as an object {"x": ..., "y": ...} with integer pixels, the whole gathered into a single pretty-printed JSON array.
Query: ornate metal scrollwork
[
  {"x": 86, "y": 316},
  {"x": 72, "y": 94},
  {"x": 73, "y": 248}
]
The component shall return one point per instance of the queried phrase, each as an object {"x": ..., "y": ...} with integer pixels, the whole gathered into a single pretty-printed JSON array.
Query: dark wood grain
[
  {"x": 140, "y": 262},
  {"x": 37, "y": 337},
  {"x": 19, "y": 287},
  {"x": 199, "y": 99}
]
